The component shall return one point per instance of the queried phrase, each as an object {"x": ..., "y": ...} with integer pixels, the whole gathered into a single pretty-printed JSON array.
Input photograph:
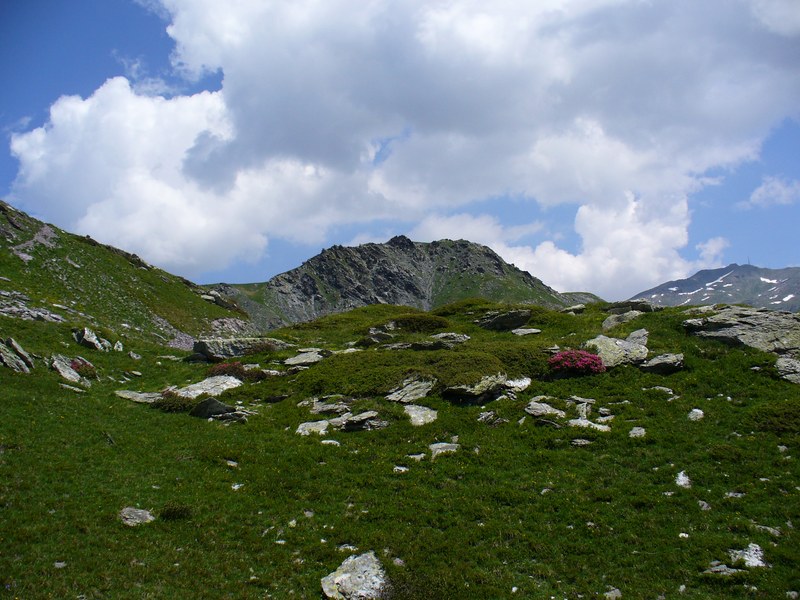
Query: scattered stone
[
  {"x": 525, "y": 331},
  {"x": 87, "y": 337},
  {"x": 487, "y": 389},
  {"x": 132, "y": 517},
  {"x": 587, "y": 424},
  {"x": 734, "y": 495},
  {"x": 752, "y": 556},
  {"x": 504, "y": 320},
  {"x": 134, "y": 356},
  {"x": 442, "y": 448},
  {"x": 451, "y": 339},
  {"x": 575, "y": 309},
  {"x": 793, "y": 595},
  {"x": 416, "y": 457},
  {"x": 358, "y": 578},
  {"x": 62, "y": 365},
  {"x": 682, "y": 480},
  {"x": 788, "y": 368},
  {"x": 579, "y": 442},
  {"x": 318, "y": 427},
  {"x": 118, "y": 347},
  {"x": 614, "y": 352},
  {"x": 305, "y": 359},
  {"x": 637, "y": 432},
  {"x": 663, "y": 364},
  {"x": 17, "y": 349},
  {"x": 773, "y": 531},
  {"x": 13, "y": 360},
  {"x": 420, "y": 415},
  {"x": 613, "y": 594},
  {"x": 329, "y": 442},
  {"x": 518, "y": 385},
  {"x": 491, "y": 419},
  {"x": 717, "y": 568},
  {"x": 619, "y": 319},
  {"x": 72, "y": 388},
  {"x": 140, "y": 397},
  {"x": 213, "y": 386},
  {"x": 538, "y": 408},
  {"x": 217, "y": 349},
  {"x": 211, "y": 407},
  {"x": 365, "y": 421},
  {"x": 411, "y": 390},
  {"x": 60, "y": 564},
  {"x": 704, "y": 506},
  {"x": 400, "y": 469},
  {"x": 696, "y": 414}
]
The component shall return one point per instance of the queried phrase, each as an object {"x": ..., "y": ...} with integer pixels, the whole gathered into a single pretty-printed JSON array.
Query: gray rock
[
  {"x": 411, "y": 390},
  {"x": 488, "y": 388},
  {"x": 140, "y": 397},
  {"x": 766, "y": 330},
  {"x": 132, "y": 517},
  {"x": 788, "y": 368},
  {"x": 618, "y": 319},
  {"x": 451, "y": 339},
  {"x": 87, "y": 337},
  {"x": 613, "y": 594},
  {"x": 442, "y": 448},
  {"x": 504, "y": 320},
  {"x": 752, "y": 556},
  {"x": 358, "y": 578},
  {"x": 587, "y": 424},
  {"x": 663, "y": 364},
  {"x": 575, "y": 309},
  {"x": 210, "y": 407},
  {"x": 61, "y": 365},
  {"x": 491, "y": 419},
  {"x": 420, "y": 415},
  {"x": 12, "y": 360},
  {"x": 637, "y": 432},
  {"x": 696, "y": 414},
  {"x": 17, "y": 348},
  {"x": 638, "y": 337},
  {"x": 365, "y": 421},
  {"x": 305, "y": 358},
  {"x": 213, "y": 386},
  {"x": 537, "y": 408},
  {"x": 638, "y": 304},
  {"x": 717, "y": 568},
  {"x": 521, "y": 331},
  {"x": 118, "y": 347},
  {"x": 614, "y": 352},
  {"x": 216, "y": 349},
  {"x": 318, "y": 427}
]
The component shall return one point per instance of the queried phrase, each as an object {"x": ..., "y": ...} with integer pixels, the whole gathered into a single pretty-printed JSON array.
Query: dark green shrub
[
  {"x": 175, "y": 511},
  {"x": 778, "y": 416},
  {"x": 421, "y": 323},
  {"x": 236, "y": 369},
  {"x": 83, "y": 368}
]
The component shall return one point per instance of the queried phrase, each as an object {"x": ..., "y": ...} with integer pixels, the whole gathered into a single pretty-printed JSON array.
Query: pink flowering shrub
[
  {"x": 576, "y": 362},
  {"x": 83, "y": 368}
]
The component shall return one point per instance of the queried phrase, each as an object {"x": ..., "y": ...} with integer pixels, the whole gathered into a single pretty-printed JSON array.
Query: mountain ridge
[{"x": 760, "y": 287}]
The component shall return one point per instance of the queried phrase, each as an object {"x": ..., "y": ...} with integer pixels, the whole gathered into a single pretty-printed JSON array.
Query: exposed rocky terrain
[
  {"x": 776, "y": 289},
  {"x": 400, "y": 272}
]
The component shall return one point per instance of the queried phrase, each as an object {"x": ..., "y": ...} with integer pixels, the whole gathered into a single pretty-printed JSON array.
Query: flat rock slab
[
  {"x": 788, "y": 368},
  {"x": 62, "y": 365},
  {"x": 12, "y": 360},
  {"x": 358, "y": 578},
  {"x": 663, "y": 364},
  {"x": 538, "y": 408},
  {"x": 420, "y": 415},
  {"x": 766, "y": 330},
  {"x": 213, "y": 386},
  {"x": 411, "y": 390},
  {"x": 488, "y": 388},
  {"x": 442, "y": 448},
  {"x": 140, "y": 397},
  {"x": 525, "y": 331},
  {"x": 132, "y": 517},
  {"x": 504, "y": 320},
  {"x": 618, "y": 319},
  {"x": 587, "y": 424},
  {"x": 318, "y": 427},
  {"x": 304, "y": 359}
]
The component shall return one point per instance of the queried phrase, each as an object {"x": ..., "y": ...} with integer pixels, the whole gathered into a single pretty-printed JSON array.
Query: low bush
[
  {"x": 778, "y": 417},
  {"x": 421, "y": 323},
  {"x": 576, "y": 362},
  {"x": 236, "y": 369},
  {"x": 83, "y": 368},
  {"x": 172, "y": 402}
]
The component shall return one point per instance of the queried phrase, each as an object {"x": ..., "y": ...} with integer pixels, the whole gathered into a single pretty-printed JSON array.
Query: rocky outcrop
[
  {"x": 400, "y": 272},
  {"x": 212, "y": 386},
  {"x": 767, "y": 330},
  {"x": 14, "y": 356},
  {"x": 504, "y": 320},
  {"x": 411, "y": 390},
  {"x": 217, "y": 349},
  {"x": 88, "y": 338}
]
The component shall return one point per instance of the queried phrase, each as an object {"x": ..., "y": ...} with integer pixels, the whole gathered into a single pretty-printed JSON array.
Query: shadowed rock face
[{"x": 401, "y": 272}]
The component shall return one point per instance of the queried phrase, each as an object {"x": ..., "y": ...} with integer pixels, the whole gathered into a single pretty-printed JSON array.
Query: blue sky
[{"x": 602, "y": 145}]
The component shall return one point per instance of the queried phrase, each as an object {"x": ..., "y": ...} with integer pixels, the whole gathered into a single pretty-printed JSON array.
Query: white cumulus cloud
[{"x": 343, "y": 112}]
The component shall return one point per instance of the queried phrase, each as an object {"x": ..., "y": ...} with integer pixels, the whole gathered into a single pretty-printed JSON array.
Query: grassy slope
[
  {"x": 109, "y": 285},
  {"x": 470, "y": 525}
]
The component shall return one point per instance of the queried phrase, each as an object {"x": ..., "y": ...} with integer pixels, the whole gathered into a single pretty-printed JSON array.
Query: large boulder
[
  {"x": 614, "y": 351},
  {"x": 212, "y": 386},
  {"x": 488, "y": 388},
  {"x": 217, "y": 349},
  {"x": 359, "y": 577},
  {"x": 766, "y": 330},
  {"x": 504, "y": 320},
  {"x": 13, "y": 360},
  {"x": 87, "y": 337},
  {"x": 788, "y": 368},
  {"x": 618, "y": 319}
]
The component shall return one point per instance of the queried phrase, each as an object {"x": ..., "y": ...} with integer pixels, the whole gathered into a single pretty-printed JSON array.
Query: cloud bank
[{"x": 351, "y": 113}]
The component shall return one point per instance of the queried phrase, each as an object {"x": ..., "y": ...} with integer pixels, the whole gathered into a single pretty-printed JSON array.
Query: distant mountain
[
  {"x": 776, "y": 289},
  {"x": 400, "y": 271}
]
